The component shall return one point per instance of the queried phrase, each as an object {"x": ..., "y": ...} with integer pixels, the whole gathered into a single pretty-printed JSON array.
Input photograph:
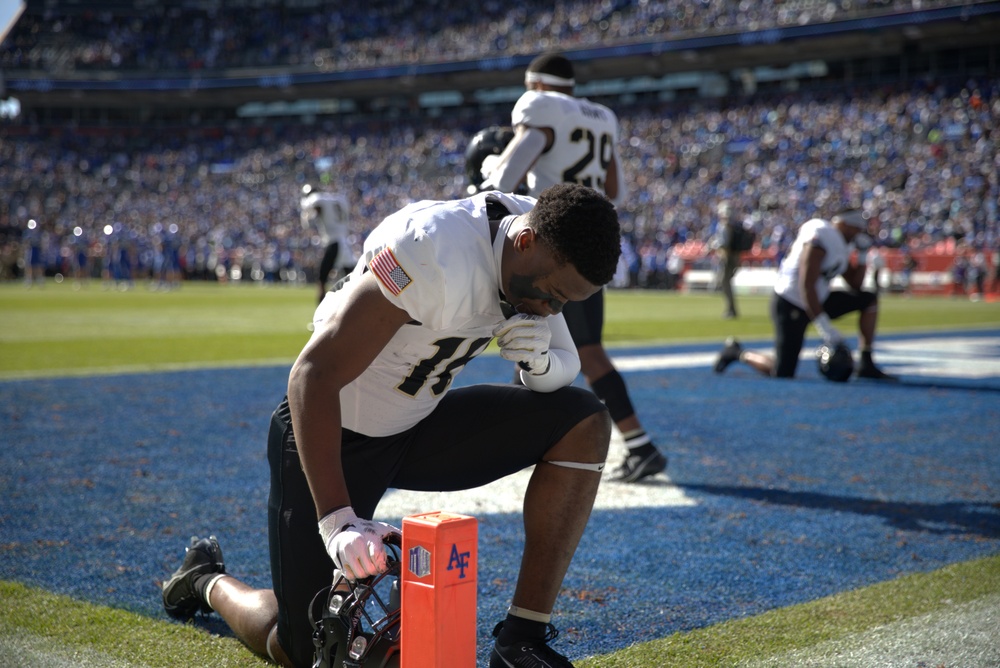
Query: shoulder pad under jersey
[{"x": 539, "y": 109}]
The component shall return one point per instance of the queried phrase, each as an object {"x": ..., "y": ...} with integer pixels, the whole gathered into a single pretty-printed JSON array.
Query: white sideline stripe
[
  {"x": 953, "y": 357},
  {"x": 665, "y": 361},
  {"x": 948, "y": 356},
  {"x": 506, "y": 495}
]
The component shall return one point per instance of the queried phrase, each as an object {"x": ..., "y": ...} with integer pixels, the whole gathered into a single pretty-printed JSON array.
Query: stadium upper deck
[
  {"x": 917, "y": 147},
  {"x": 209, "y": 53}
]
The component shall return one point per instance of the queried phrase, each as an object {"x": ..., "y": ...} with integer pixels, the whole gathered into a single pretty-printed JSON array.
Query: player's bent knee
[
  {"x": 591, "y": 438},
  {"x": 587, "y": 426}
]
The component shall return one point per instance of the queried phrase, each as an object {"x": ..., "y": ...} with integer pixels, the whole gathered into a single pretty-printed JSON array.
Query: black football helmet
[
  {"x": 488, "y": 141},
  {"x": 357, "y": 624},
  {"x": 835, "y": 362}
]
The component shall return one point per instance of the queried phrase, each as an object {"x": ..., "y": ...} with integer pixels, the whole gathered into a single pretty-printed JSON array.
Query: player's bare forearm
[
  {"x": 315, "y": 409},
  {"x": 345, "y": 343},
  {"x": 809, "y": 272}
]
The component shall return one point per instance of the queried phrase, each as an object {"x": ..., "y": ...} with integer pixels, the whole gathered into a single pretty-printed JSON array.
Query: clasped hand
[{"x": 525, "y": 339}]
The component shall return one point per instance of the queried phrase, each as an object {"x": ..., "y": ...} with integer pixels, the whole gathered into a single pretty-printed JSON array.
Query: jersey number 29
[{"x": 602, "y": 153}]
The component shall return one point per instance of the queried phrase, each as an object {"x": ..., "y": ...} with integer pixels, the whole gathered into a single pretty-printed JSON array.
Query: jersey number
[
  {"x": 446, "y": 349},
  {"x": 602, "y": 153}
]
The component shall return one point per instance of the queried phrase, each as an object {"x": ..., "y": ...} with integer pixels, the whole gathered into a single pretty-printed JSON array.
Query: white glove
[
  {"x": 831, "y": 335},
  {"x": 525, "y": 339},
  {"x": 356, "y": 545}
]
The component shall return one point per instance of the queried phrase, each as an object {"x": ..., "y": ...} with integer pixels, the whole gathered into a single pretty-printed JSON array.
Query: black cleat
[
  {"x": 637, "y": 467},
  {"x": 527, "y": 653},
  {"x": 202, "y": 557},
  {"x": 872, "y": 372},
  {"x": 730, "y": 353}
]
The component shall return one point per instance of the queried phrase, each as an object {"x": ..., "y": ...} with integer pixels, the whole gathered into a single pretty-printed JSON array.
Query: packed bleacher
[
  {"x": 220, "y": 199},
  {"x": 195, "y": 36},
  {"x": 923, "y": 160}
]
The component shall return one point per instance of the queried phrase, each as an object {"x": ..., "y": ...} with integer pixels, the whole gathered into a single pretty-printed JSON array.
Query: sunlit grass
[{"x": 58, "y": 329}]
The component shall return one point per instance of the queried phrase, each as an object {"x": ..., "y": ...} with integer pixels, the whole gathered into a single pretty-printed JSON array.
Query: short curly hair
[
  {"x": 580, "y": 226},
  {"x": 553, "y": 63}
]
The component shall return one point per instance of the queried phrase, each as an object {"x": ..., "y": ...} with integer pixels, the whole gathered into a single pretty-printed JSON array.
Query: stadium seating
[
  {"x": 313, "y": 35},
  {"x": 918, "y": 154}
]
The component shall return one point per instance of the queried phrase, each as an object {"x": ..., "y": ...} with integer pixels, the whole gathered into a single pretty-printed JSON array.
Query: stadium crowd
[
  {"x": 149, "y": 36},
  {"x": 199, "y": 202}
]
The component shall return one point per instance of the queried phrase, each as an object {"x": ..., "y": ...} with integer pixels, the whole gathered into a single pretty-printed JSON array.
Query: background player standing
[
  {"x": 328, "y": 214},
  {"x": 735, "y": 236},
  {"x": 560, "y": 138}
]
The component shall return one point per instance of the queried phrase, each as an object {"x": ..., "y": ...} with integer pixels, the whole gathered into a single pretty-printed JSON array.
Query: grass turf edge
[
  {"x": 809, "y": 624},
  {"x": 68, "y": 625}
]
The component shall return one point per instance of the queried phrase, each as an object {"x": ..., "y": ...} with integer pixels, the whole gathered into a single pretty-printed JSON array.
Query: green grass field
[
  {"x": 58, "y": 331},
  {"x": 62, "y": 632}
]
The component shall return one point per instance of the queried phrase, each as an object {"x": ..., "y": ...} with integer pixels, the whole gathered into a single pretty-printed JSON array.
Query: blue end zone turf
[{"x": 802, "y": 488}]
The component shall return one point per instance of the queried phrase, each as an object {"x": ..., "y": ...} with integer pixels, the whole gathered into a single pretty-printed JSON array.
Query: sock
[
  {"x": 203, "y": 586},
  {"x": 866, "y": 358},
  {"x": 610, "y": 388},
  {"x": 518, "y": 628},
  {"x": 530, "y": 615},
  {"x": 638, "y": 442}
]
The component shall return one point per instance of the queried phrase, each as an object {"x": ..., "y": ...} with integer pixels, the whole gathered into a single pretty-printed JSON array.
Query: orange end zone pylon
[{"x": 438, "y": 626}]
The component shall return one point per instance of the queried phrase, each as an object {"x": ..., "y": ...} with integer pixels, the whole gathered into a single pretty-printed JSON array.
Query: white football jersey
[
  {"x": 436, "y": 261},
  {"x": 815, "y": 232},
  {"x": 332, "y": 223},
  {"x": 586, "y": 138}
]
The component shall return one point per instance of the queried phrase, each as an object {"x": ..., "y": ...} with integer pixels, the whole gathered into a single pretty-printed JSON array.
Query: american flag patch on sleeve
[{"x": 387, "y": 269}]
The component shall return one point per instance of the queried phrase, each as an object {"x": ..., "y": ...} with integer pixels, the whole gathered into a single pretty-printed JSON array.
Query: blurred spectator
[
  {"x": 59, "y": 38},
  {"x": 977, "y": 274},
  {"x": 921, "y": 159},
  {"x": 36, "y": 247},
  {"x": 959, "y": 273},
  {"x": 910, "y": 264},
  {"x": 675, "y": 269},
  {"x": 995, "y": 284}
]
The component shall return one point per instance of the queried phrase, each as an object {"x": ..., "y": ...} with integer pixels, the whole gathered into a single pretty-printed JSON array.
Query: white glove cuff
[
  {"x": 331, "y": 523},
  {"x": 548, "y": 365},
  {"x": 563, "y": 368},
  {"x": 826, "y": 328}
]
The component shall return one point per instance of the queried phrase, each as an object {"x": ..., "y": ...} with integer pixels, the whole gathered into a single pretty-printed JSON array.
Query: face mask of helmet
[{"x": 357, "y": 624}]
